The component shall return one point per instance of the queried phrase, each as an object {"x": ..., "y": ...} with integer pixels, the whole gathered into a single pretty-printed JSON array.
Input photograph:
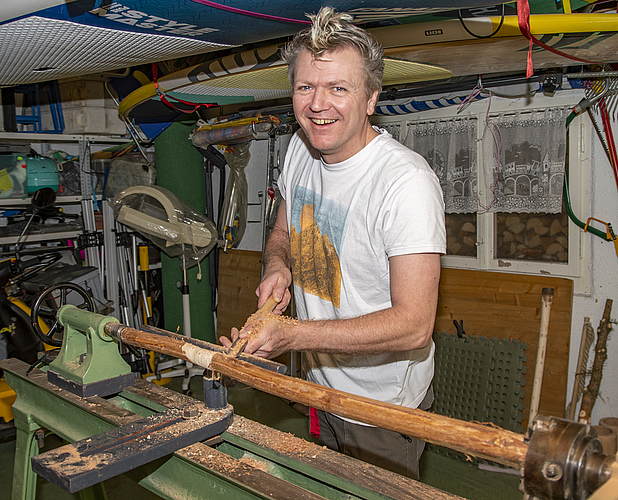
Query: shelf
[
  {"x": 17, "y": 202},
  {"x": 35, "y": 238},
  {"x": 33, "y": 137}
]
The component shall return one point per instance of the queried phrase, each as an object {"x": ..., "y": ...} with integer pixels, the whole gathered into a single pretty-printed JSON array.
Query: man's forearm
[
  {"x": 277, "y": 251},
  {"x": 382, "y": 331},
  {"x": 407, "y": 324}
]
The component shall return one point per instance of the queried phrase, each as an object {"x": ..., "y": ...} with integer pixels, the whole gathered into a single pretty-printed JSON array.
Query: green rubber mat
[{"x": 479, "y": 379}]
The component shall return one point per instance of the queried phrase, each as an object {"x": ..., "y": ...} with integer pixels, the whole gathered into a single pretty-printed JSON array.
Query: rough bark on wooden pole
[
  {"x": 483, "y": 441},
  {"x": 580, "y": 371},
  {"x": 600, "y": 355}
]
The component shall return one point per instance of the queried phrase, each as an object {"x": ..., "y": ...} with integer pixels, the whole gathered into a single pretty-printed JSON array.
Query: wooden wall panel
[
  {"x": 239, "y": 276},
  {"x": 506, "y": 305}
]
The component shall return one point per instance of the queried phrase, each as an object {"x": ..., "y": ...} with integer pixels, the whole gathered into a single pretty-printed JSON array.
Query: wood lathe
[{"x": 161, "y": 438}]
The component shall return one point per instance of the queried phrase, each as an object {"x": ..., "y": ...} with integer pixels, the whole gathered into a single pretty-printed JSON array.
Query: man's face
[{"x": 330, "y": 103}]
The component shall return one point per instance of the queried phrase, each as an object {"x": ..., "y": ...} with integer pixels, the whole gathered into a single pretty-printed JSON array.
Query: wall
[{"x": 604, "y": 281}]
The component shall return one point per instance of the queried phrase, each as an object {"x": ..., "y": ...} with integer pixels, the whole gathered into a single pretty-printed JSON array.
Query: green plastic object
[
  {"x": 479, "y": 379},
  {"x": 87, "y": 356}
]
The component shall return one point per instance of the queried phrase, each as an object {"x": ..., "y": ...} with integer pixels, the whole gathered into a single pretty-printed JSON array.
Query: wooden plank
[
  {"x": 506, "y": 305},
  {"x": 239, "y": 277}
]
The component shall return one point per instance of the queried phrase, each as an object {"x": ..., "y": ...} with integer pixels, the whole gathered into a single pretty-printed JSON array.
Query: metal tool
[{"x": 564, "y": 460}]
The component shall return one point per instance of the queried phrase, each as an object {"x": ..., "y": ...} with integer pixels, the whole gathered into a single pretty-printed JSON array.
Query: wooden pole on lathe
[{"x": 483, "y": 441}]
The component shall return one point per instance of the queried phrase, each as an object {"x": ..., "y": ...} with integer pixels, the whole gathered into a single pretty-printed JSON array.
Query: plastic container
[
  {"x": 13, "y": 176},
  {"x": 129, "y": 170},
  {"x": 42, "y": 172}
]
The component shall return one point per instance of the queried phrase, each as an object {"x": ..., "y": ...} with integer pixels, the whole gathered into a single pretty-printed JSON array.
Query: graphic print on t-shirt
[{"x": 317, "y": 230}]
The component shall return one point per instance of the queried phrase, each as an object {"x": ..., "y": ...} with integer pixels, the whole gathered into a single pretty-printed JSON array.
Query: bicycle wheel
[{"x": 46, "y": 308}]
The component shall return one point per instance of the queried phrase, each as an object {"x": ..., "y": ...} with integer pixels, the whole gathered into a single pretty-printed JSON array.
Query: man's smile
[{"x": 322, "y": 121}]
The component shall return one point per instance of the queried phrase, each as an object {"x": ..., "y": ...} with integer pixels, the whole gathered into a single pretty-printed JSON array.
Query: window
[{"x": 503, "y": 193}]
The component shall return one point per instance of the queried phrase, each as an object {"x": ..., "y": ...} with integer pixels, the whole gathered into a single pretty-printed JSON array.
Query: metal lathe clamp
[{"x": 564, "y": 460}]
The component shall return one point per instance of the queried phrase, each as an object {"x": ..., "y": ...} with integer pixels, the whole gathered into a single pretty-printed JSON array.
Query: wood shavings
[
  {"x": 258, "y": 320},
  {"x": 281, "y": 442},
  {"x": 197, "y": 355}
]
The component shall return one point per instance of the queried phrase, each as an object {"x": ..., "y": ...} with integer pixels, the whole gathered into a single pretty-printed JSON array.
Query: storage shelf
[
  {"x": 17, "y": 202},
  {"x": 33, "y": 137},
  {"x": 35, "y": 238}
]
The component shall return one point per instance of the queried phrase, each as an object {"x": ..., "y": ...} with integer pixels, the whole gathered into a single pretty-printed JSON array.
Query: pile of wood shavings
[
  {"x": 259, "y": 320},
  {"x": 282, "y": 442}
]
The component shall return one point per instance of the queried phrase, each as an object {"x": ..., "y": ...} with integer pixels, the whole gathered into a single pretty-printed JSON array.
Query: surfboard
[
  {"x": 44, "y": 40},
  {"x": 440, "y": 49},
  {"x": 249, "y": 76},
  {"x": 592, "y": 37}
]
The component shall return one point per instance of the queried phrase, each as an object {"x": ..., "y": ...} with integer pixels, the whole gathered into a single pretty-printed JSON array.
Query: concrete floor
[{"x": 446, "y": 473}]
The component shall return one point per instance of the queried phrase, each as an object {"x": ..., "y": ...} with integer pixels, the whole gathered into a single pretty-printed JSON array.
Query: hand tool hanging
[{"x": 596, "y": 93}]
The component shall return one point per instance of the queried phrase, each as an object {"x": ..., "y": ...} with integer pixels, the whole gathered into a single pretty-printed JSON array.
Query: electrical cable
[
  {"x": 235, "y": 10},
  {"x": 495, "y": 132},
  {"x": 163, "y": 96},
  {"x": 463, "y": 24}
]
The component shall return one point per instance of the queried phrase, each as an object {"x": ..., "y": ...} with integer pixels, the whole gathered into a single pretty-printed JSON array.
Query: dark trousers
[{"x": 386, "y": 449}]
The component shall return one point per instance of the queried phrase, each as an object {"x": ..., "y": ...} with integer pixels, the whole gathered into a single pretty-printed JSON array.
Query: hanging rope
[{"x": 523, "y": 17}]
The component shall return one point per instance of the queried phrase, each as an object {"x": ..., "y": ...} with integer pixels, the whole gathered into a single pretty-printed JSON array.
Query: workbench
[{"x": 249, "y": 460}]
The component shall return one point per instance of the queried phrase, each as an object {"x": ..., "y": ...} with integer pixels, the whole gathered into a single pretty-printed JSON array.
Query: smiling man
[{"x": 359, "y": 234}]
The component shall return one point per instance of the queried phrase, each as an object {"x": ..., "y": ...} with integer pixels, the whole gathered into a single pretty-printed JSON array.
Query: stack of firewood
[{"x": 539, "y": 237}]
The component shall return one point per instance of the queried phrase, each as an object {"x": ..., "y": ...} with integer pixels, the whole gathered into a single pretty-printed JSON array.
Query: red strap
[
  {"x": 314, "y": 423},
  {"x": 523, "y": 18},
  {"x": 167, "y": 102}
]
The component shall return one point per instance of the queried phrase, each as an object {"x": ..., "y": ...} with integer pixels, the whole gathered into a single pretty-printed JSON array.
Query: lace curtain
[
  {"x": 523, "y": 158},
  {"x": 449, "y": 146}
]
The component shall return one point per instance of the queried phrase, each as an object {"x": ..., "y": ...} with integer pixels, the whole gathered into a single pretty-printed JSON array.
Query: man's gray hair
[{"x": 330, "y": 31}]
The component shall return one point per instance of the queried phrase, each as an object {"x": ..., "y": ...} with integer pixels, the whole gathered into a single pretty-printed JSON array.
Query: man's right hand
[{"x": 276, "y": 283}]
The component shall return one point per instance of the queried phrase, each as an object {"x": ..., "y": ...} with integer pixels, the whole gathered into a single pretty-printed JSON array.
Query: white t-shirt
[{"x": 345, "y": 221}]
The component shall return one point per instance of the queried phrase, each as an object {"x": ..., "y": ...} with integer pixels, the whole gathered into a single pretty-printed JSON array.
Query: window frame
[{"x": 579, "y": 168}]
